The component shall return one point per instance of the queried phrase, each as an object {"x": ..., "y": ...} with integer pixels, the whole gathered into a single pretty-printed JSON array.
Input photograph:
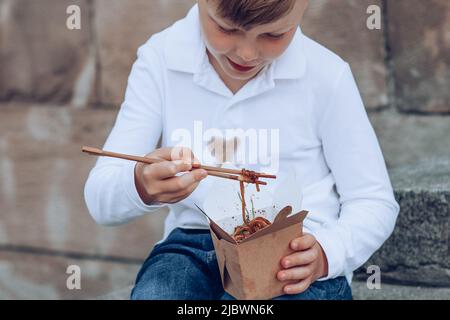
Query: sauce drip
[{"x": 250, "y": 226}]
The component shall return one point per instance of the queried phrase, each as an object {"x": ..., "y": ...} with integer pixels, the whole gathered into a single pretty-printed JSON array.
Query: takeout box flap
[
  {"x": 220, "y": 233},
  {"x": 282, "y": 220}
]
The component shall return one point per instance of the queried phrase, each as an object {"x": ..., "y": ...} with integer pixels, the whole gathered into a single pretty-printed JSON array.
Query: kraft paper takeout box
[{"x": 249, "y": 269}]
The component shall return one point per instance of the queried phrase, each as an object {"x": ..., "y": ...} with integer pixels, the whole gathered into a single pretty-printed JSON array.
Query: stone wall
[
  {"x": 61, "y": 89},
  {"x": 40, "y": 59},
  {"x": 406, "y": 62},
  {"x": 419, "y": 40},
  {"x": 418, "y": 252},
  {"x": 44, "y": 222}
]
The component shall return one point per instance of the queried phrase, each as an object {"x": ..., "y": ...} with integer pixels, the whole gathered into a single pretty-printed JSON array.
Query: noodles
[
  {"x": 249, "y": 227},
  {"x": 246, "y": 230},
  {"x": 251, "y": 177}
]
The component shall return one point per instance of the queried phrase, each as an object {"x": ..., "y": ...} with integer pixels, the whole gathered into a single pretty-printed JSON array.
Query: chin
[{"x": 241, "y": 76}]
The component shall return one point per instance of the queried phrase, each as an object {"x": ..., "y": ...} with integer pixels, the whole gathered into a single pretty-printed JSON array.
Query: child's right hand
[{"x": 157, "y": 183}]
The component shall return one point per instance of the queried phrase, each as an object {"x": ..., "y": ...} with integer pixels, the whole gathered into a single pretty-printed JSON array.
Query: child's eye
[
  {"x": 227, "y": 31},
  {"x": 275, "y": 36}
]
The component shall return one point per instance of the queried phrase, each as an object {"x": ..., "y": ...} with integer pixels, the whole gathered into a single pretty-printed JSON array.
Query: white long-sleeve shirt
[{"x": 308, "y": 96}]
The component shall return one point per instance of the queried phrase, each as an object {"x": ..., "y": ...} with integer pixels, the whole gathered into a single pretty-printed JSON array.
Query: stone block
[
  {"x": 407, "y": 139},
  {"x": 121, "y": 27},
  {"x": 40, "y": 58},
  {"x": 341, "y": 26},
  {"x": 420, "y": 44},
  {"x": 42, "y": 177},
  {"x": 418, "y": 251},
  {"x": 38, "y": 277},
  {"x": 398, "y": 292}
]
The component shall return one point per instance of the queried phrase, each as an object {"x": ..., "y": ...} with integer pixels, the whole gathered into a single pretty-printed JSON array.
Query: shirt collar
[
  {"x": 185, "y": 50},
  {"x": 292, "y": 64}
]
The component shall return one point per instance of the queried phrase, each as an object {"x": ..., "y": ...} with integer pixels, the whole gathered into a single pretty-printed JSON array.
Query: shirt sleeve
[
  {"x": 110, "y": 191},
  {"x": 368, "y": 209}
]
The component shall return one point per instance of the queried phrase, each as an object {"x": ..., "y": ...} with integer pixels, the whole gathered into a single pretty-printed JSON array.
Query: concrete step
[
  {"x": 359, "y": 289},
  {"x": 418, "y": 252},
  {"x": 398, "y": 292}
]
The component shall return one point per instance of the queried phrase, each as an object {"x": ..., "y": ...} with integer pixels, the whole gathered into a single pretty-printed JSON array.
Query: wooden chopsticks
[{"x": 238, "y": 175}]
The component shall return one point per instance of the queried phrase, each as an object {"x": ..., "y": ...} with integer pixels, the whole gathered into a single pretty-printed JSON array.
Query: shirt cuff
[
  {"x": 334, "y": 251},
  {"x": 131, "y": 190}
]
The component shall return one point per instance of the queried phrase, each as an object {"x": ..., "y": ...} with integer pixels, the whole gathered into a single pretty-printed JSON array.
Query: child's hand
[
  {"x": 158, "y": 183},
  {"x": 304, "y": 266}
]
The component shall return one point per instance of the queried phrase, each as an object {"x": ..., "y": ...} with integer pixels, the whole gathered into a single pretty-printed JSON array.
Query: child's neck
[{"x": 232, "y": 84}]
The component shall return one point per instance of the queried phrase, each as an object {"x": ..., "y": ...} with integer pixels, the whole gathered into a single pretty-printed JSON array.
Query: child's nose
[{"x": 247, "y": 53}]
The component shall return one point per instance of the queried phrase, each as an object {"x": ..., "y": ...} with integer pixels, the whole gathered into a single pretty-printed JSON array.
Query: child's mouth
[{"x": 240, "y": 68}]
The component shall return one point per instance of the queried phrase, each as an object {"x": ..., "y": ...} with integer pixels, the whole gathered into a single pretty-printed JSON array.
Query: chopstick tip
[{"x": 91, "y": 150}]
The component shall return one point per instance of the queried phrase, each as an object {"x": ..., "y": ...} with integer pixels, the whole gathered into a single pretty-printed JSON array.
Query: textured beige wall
[
  {"x": 420, "y": 40},
  {"x": 341, "y": 27},
  {"x": 42, "y": 61}
]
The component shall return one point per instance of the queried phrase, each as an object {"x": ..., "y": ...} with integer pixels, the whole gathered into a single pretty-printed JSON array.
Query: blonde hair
[{"x": 249, "y": 13}]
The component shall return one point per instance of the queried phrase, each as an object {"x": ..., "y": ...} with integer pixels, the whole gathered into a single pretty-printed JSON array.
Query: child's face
[{"x": 239, "y": 53}]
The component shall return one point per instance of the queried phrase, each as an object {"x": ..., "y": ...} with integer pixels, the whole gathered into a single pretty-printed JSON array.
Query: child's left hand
[{"x": 305, "y": 266}]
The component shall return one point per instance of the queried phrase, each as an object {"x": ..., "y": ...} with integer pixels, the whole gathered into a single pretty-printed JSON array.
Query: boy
[{"x": 245, "y": 64}]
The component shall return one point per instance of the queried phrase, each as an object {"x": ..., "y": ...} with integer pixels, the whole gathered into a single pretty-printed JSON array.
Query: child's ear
[{"x": 305, "y": 5}]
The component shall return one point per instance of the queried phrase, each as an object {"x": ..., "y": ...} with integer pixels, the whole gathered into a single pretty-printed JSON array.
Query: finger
[
  {"x": 187, "y": 191},
  {"x": 299, "y": 287},
  {"x": 298, "y": 273},
  {"x": 179, "y": 196},
  {"x": 195, "y": 161},
  {"x": 183, "y": 153},
  {"x": 162, "y": 153},
  {"x": 300, "y": 258},
  {"x": 303, "y": 243},
  {"x": 176, "y": 153},
  {"x": 180, "y": 184},
  {"x": 166, "y": 169}
]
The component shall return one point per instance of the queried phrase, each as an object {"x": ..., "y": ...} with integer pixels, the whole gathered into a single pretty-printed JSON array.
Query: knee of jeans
[
  {"x": 226, "y": 296},
  {"x": 141, "y": 292},
  {"x": 345, "y": 292},
  {"x": 339, "y": 289},
  {"x": 148, "y": 291},
  {"x": 137, "y": 294},
  {"x": 134, "y": 295}
]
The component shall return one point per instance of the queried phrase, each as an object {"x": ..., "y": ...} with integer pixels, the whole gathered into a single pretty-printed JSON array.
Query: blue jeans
[{"x": 184, "y": 267}]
